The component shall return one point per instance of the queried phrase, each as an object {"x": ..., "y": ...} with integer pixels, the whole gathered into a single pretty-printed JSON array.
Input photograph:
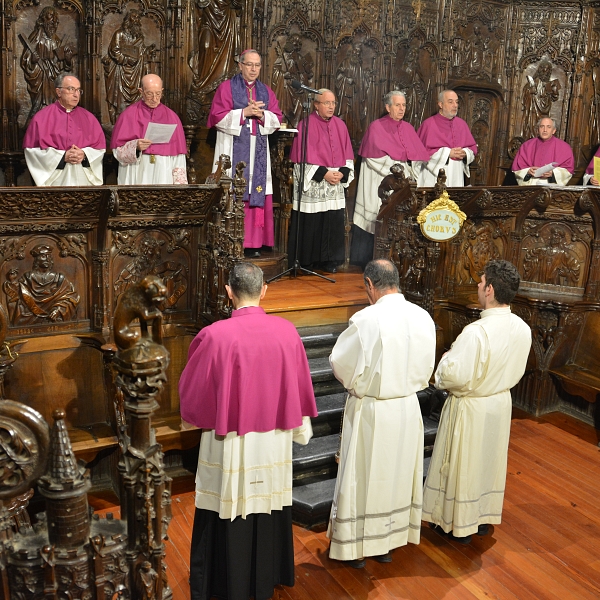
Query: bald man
[{"x": 141, "y": 161}]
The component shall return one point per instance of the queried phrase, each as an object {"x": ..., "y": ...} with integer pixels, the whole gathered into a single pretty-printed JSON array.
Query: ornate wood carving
[{"x": 550, "y": 235}]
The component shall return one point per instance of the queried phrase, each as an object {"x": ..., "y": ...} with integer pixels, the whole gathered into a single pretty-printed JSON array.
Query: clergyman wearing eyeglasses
[
  {"x": 141, "y": 161},
  {"x": 64, "y": 143},
  {"x": 244, "y": 112},
  {"x": 328, "y": 170}
]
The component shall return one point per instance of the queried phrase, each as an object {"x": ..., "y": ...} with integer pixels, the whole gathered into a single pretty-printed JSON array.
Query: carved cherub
[
  {"x": 141, "y": 301},
  {"x": 440, "y": 186}
]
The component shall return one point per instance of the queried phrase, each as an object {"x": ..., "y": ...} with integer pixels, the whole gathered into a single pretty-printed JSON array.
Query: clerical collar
[
  {"x": 322, "y": 118},
  {"x": 445, "y": 117},
  {"x": 67, "y": 110}
]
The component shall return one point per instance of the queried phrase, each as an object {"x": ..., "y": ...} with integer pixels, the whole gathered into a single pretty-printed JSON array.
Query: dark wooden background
[{"x": 485, "y": 50}]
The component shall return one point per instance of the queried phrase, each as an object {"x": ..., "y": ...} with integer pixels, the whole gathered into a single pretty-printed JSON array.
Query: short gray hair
[
  {"x": 246, "y": 280},
  {"x": 59, "y": 80},
  {"x": 249, "y": 51},
  {"x": 537, "y": 125},
  {"x": 383, "y": 274},
  {"x": 387, "y": 99},
  {"x": 441, "y": 95}
]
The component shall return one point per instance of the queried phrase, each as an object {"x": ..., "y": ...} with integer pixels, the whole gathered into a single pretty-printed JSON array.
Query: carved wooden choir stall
[
  {"x": 65, "y": 553},
  {"x": 552, "y": 235}
]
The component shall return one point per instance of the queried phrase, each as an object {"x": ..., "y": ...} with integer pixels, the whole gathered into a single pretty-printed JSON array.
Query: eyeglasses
[
  {"x": 150, "y": 95},
  {"x": 72, "y": 90},
  {"x": 250, "y": 65},
  {"x": 328, "y": 103}
]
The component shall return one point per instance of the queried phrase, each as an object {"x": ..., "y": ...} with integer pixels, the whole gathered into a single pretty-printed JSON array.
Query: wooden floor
[
  {"x": 308, "y": 300},
  {"x": 547, "y": 547}
]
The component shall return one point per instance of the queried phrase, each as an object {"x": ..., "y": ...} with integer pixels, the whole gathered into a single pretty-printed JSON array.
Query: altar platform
[{"x": 309, "y": 301}]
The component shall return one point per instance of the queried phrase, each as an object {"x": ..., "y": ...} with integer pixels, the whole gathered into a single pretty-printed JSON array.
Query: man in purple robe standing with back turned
[
  {"x": 544, "y": 151},
  {"x": 245, "y": 111},
  {"x": 247, "y": 385}
]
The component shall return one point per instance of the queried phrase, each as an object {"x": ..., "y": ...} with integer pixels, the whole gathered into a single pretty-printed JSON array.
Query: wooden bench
[{"x": 580, "y": 376}]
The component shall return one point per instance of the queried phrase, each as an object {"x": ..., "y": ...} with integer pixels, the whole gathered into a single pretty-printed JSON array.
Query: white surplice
[
  {"x": 456, "y": 170},
  {"x": 239, "y": 475},
  {"x": 384, "y": 357},
  {"x": 42, "y": 166},
  {"x": 320, "y": 196},
  {"x": 229, "y": 127},
  {"x": 467, "y": 475},
  {"x": 561, "y": 175},
  {"x": 146, "y": 172},
  {"x": 368, "y": 203}
]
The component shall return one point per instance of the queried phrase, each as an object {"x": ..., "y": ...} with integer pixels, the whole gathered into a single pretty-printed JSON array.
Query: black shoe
[
  {"x": 383, "y": 558},
  {"x": 483, "y": 529},
  {"x": 251, "y": 252},
  {"x": 329, "y": 267},
  {"x": 357, "y": 563},
  {"x": 466, "y": 540},
  {"x": 437, "y": 529}
]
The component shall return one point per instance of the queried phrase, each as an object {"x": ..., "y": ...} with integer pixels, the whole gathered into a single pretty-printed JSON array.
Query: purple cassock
[
  {"x": 247, "y": 373},
  {"x": 328, "y": 143},
  {"x": 133, "y": 123},
  {"x": 234, "y": 94},
  {"x": 538, "y": 153},
  {"x": 396, "y": 139},
  {"x": 590, "y": 167},
  {"x": 54, "y": 127},
  {"x": 439, "y": 132}
]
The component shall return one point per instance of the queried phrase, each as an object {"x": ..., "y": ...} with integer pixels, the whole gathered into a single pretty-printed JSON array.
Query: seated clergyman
[{"x": 544, "y": 151}]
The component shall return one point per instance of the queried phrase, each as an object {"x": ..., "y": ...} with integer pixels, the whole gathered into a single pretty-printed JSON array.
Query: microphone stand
[{"x": 297, "y": 267}]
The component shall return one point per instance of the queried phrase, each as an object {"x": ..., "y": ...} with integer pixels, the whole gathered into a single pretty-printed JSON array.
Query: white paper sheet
[
  {"x": 159, "y": 133},
  {"x": 545, "y": 169}
]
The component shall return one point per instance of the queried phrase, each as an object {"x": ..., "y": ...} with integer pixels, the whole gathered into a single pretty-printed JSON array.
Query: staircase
[{"x": 314, "y": 465}]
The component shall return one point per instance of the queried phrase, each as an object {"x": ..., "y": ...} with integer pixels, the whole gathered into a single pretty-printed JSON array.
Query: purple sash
[{"x": 241, "y": 143}]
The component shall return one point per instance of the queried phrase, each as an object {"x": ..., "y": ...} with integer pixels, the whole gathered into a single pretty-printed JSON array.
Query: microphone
[{"x": 300, "y": 86}]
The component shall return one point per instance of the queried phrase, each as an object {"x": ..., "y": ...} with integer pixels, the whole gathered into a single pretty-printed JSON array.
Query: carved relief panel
[
  {"x": 132, "y": 41},
  {"x": 164, "y": 253},
  {"x": 215, "y": 43},
  {"x": 294, "y": 56},
  {"x": 44, "y": 282},
  {"x": 480, "y": 109},
  {"x": 556, "y": 254},
  {"x": 47, "y": 38},
  {"x": 356, "y": 85}
]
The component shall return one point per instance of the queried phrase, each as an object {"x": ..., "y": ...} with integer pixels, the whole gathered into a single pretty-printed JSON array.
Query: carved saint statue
[
  {"x": 594, "y": 120},
  {"x": 352, "y": 83},
  {"x": 539, "y": 93},
  {"x": 124, "y": 64},
  {"x": 147, "y": 582},
  {"x": 291, "y": 65},
  {"x": 44, "y": 296},
  {"x": 412, "y": 83},
  {"x": 213, "y": 61},
  {"x": 44, "y": 58},
  {"x": 554, "y": 260}
]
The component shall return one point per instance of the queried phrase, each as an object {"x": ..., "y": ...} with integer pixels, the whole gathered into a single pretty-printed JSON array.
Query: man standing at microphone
[{"x": 245, "y": 111}]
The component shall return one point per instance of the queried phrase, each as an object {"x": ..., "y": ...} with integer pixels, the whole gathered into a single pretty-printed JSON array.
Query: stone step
[
  {"x": 318, "y": 341},
  {"x": 331, "y": 408},
  {"x": 320, "y": 369},
  {"x": 311, "y": 503},
  {"x": 316, "y": 460}
]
